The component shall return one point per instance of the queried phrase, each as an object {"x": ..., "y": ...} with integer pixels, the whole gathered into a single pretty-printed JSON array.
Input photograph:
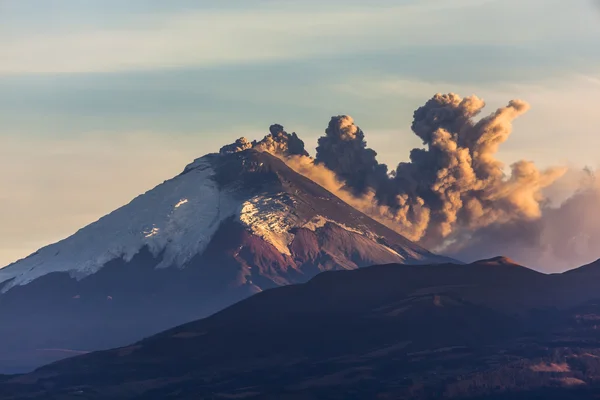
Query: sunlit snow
[
  {"x": 178, "y": 232},
  {"x": 181, "y": 202},
  {"x": 152, "y": 232},
  {"x": 271, "y": 218}
]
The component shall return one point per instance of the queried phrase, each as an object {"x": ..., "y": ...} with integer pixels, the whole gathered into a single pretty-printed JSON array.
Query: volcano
[{"x": 229, "y": 226}]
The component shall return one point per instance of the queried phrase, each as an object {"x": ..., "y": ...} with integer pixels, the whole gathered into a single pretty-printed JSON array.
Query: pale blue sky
[{"x": 102, "y": 99}]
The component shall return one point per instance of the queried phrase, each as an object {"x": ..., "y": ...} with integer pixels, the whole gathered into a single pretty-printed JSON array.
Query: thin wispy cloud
[{"x": 204, "y": 38}]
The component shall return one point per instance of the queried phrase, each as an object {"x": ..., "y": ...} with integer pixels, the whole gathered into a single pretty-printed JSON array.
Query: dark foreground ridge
[{"x": 487, "y": 330}]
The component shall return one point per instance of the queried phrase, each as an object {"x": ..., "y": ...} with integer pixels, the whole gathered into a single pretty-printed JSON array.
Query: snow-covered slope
[
  {"x": 176, "y": 219},
  {"x": 271, "y": 218}
]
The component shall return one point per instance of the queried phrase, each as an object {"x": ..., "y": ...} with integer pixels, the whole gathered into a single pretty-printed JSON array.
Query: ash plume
[
  {"x": 344, "y": 151},
  {"x": 454, "y": 195},
  {"x": 566, "y": 235},
  {"x": 454, "y": 183},
  {"x": 457, "y": 174},
  {"x": 277, "y": 142},
  {"x": 239, "y": 145}
]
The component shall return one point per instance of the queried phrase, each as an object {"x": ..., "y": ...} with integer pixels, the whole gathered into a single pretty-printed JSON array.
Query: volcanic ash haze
[{"x": 453, "y": 195}]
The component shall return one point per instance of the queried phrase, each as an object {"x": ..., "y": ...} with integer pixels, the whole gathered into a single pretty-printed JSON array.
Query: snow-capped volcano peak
[{"x": 177, "y": 219}]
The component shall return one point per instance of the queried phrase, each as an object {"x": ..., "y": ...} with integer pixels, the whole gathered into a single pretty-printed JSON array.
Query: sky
[{"x": 101, "y": 100}]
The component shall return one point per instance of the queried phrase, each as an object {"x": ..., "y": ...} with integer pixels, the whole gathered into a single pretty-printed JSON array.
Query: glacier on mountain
[
  {"x": 177, "y": 218},
  {"x": 271, "y": 218}
]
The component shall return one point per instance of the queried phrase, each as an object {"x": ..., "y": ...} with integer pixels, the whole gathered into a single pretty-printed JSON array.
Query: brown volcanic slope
[
  {"x": 392, "y": 331},
  {"x": 126, "y": 301}
]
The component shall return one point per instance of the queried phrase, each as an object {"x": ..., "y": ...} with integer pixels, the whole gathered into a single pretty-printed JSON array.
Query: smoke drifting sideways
[
  {"x": 566, "y": 235},
  {"x": 453, "y": 195}
]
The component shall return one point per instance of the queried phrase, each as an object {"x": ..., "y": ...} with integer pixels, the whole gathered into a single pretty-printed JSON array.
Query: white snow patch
[
  {"x": 315, "y": 223},
  {"x": 319, "y": 221},
  {"x": 124, "y": 232},
  {"x": 394, "y": 252},
  {"x": 181, "y": 202},
  {"x": 271, "y": 218},
  {"x": 152, "y": 232}
]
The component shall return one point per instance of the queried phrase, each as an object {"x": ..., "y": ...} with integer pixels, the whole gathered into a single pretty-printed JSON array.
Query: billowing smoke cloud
[
  {"x": 566, "y": 235},
  {"x": 343, "y": 150},
  {"x": 453, "y": 195},
  {"x": 280, "y": 142},
  {"x": 455, "y": 183},
  {"x": 239, "y": 145},
  {"x": 277, "y": 142}
]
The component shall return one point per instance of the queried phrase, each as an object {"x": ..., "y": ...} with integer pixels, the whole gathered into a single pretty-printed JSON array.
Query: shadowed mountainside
[{"x": 491, "y": 328}]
